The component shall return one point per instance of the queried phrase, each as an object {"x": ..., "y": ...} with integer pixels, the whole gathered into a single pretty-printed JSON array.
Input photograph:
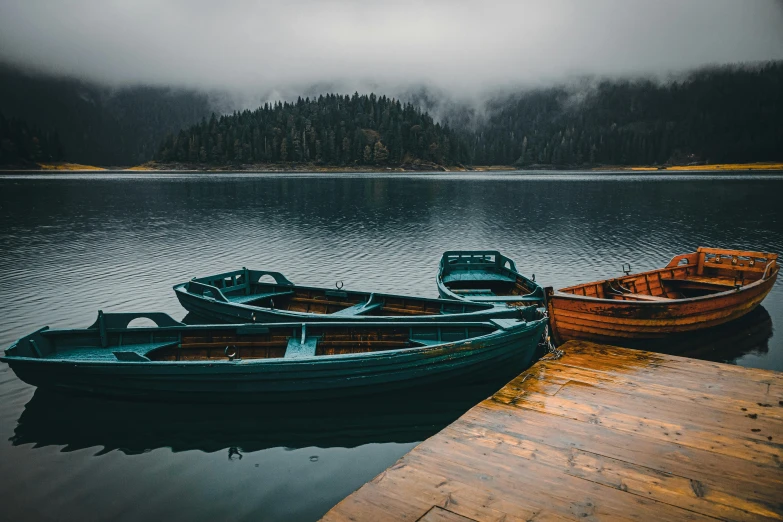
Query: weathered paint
[
  {"x": 652, "y": 304},
  {"x": 192, "y": 363},
  {"x": 240, "y": 297},
  {"x": 485, "y": 276}
]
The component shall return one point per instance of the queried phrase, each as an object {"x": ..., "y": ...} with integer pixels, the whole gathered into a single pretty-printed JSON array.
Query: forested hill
[
  {"x": 723, "y": 114},
  {"x": 96, "y": 124},
  {"x": 328, "y": 130},
  {"x": 719, "y": 115},
  {"x": 727, "y": 114},
  {"x": 21, "y": 144}
]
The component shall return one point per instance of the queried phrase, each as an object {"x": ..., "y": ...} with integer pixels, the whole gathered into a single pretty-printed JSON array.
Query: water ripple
[{"x": 73, "y": 244}]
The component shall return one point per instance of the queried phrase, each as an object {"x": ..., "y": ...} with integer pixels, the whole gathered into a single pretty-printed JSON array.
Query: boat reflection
[
  {"x": 725, "y": 343},
  {"x": 78, "y": 422}
]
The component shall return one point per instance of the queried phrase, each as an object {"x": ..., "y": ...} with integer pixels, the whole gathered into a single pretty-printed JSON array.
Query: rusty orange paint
[{"x": 692, "y": 292}]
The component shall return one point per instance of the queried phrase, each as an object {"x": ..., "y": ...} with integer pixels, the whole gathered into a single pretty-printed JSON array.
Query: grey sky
[{"x": 460, "y": 46}]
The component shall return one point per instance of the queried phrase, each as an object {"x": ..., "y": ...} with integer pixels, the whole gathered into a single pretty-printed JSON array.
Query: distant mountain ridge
[
  {"x": 97, "y": 124},
  {"x": 23, "y": 146},
  {"x": 717, "y": 115}
]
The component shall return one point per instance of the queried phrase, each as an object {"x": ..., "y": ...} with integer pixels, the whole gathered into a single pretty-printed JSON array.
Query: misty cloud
[{"x": 458, "y": 46}]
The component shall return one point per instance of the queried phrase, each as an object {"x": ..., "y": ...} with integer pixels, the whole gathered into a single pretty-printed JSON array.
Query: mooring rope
[{"x": 546, "y": 342}]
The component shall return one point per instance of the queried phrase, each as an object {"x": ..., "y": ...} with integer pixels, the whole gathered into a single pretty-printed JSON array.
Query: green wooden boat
[
  {"x": 485, "y": 276},
  {"x": 275, "y": 362},
  {"x": 245, "y": 296}
]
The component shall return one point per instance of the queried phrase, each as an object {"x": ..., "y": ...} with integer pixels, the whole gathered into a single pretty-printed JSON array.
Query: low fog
[{"x": 457, "y": 47}]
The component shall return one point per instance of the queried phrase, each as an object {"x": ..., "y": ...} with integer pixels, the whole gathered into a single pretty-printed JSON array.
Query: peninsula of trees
[
  {"x": 329, "y": 130},
  {"x": 722, "y": 115}
]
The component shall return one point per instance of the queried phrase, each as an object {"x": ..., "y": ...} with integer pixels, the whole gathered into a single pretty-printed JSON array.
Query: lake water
[{"x": 73, "y": 244}]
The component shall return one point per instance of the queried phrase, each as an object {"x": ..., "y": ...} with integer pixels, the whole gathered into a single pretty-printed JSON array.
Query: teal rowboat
[
  {"x": 485, "y": 276},
  {"x": 274, "y": 362},
  {"x": 245, "y": 296}
]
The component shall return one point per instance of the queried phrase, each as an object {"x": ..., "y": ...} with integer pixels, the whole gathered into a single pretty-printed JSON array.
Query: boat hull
[
  {"x": 575, "y": 317},
  {"x": 486, "y": 277},
  {"x": 232, "y": 313},
  {"x": 277, "y": 380}
]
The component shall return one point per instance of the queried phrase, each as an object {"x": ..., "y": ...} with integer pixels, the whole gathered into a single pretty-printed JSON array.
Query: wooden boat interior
[
  {"x": 486, "y": 273},
  {"x": 248, "y": 287},
  {"x": 106, "y": 342},
  {"x": 704, "y": 272}
]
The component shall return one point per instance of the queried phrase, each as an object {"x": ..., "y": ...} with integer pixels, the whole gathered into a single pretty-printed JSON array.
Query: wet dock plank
[{"x": 602, "y": 433}]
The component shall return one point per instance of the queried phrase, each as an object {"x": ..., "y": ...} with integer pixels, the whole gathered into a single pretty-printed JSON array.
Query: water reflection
[
  {"x": 726, "y": 343},
  {"x": 77, "y": 422},
  {"x": 70, "y": 245}
]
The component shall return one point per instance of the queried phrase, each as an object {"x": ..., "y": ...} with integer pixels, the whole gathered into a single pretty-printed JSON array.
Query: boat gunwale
[
  {"x": 488, "y": 308},
  {"x": 522, "y": 327},
  {"x": 180, "y": 286},
  {"x": 668, "y": 302},
  {"x": 497, "y": 300},
  {"x": 482, "y": 309}
]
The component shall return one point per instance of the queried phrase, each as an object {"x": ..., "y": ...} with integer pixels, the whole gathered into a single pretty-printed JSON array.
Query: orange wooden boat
[{"x": 705, "y": 288}]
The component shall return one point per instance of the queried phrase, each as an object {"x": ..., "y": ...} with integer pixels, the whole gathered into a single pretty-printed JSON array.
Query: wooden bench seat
[
  {"x": 715, "y": 284},
  {"x": 297, "y": 349},
  {"x": 131, "y": 352},
  {"x": 640, "y": 297},
  {"x": 476, "y": 275},
  {"x": 242, "y": 299},
  {"x": 718, "y": 281},
  {"x": 426, "y": 342},
  {"x": 473, "y": 291},
  {"x": 358, "y": 309}
]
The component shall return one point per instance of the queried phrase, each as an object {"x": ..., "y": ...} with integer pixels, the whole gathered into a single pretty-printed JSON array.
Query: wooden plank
[
  {"x": 757, "y": 387},
  {"x": 438, "y": 514},
  {"x": 641, "y": 297},
  {"x": 566, "y": 495},
  {"x": 602, "y": 433},
  {"x": 697, "y": 392},
  {"x": 742, "y": 253},
  {"x": 667, "y": 422},
  {"x": 664, "y": 456},
  {"x": 595, "y": 357},
  {"x": 626, "y": 477}
]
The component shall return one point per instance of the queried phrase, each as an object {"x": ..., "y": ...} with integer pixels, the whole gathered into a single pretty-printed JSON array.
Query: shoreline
[{"x": 152, "y": 167}]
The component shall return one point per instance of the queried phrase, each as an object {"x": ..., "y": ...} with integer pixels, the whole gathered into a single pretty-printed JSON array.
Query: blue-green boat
[
  {"x": 256, "y": 296},
  {"x": 485, "y": 276},
  {"x": 275, "y": 362}
]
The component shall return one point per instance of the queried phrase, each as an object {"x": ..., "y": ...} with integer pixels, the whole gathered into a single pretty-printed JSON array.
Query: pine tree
[
  {"x": 284, "y": 150},
  {"x": 331, "y": 129},
  {"x": 381, "y": 153}
]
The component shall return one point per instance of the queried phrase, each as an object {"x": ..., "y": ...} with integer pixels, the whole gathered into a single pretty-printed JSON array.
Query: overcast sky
[{"x": 461, "y": 46}]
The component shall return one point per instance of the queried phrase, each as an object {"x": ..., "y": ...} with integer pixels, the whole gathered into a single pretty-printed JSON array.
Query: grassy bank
[
  {"x": 705, "y": 168},
  {"x": 67, "y": 166},
  {"x": 154, "y": 166}
]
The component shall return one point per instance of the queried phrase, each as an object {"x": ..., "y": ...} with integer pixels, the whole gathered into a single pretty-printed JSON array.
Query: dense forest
[
  {"x": 719, "y": 114},
  {"x": 329, "y": 130},
  {"x": 728, "y": 114},
  {"x": 21, "y": 144},
  {"x": 100, "y": 125}
]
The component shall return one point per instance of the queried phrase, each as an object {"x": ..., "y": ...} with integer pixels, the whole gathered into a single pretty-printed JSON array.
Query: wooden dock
[{"x": 602, "y": 433}]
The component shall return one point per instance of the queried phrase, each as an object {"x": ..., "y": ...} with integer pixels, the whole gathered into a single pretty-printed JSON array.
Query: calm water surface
[{"x": 71, "y": 244}]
